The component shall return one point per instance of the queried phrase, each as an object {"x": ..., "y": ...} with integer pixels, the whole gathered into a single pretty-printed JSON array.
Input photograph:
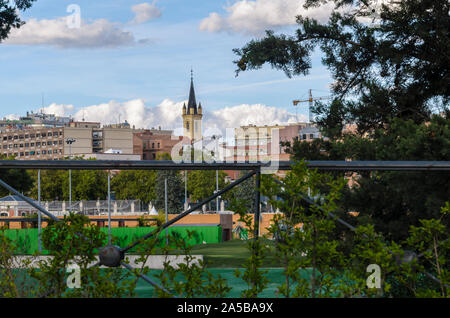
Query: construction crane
[{"x": 310, "y": 100}]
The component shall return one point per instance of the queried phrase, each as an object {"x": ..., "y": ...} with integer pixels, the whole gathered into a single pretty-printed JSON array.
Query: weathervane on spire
[{"x": 192, "y": 74}]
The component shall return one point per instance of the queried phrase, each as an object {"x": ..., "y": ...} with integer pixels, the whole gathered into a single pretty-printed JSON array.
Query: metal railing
[{"x": 113, "y": 256}]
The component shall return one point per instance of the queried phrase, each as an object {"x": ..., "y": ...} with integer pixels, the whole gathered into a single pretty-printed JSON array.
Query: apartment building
[
  {"x": 50, "y": 143},
  {"x": 149, "y": 143},
  {"x": 27, "y": 144},
  {"x": 263, "y": 143}
]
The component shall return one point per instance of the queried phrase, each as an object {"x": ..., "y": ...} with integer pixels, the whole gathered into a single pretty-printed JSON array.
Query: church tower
[{"x": 192, "y": 116}]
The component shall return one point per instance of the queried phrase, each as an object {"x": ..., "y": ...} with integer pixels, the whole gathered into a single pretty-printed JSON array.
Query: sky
[{"x": 116, "y": 60}]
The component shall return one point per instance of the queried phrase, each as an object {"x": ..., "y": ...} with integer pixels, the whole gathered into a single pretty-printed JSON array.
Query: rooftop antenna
[{"x": 42, "y": 100}]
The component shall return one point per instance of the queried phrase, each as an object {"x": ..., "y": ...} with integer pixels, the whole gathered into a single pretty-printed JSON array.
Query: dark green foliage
[
  {"x": 75, "y": 241},
  {"x": 19, "y": 179},
  {"x": 396, "y": 63},
  {"x": 202, "y": 184},
  {"x": 190, "y": 278},
  {"x": 175, "y": 188},
  {"x": 135, "y": 184},
  {"x": 10, "y": 15},
  {"x": 242, "y": 196},
  {"x": 392, "y": 201},
  {"x": 51, "y": 184}
]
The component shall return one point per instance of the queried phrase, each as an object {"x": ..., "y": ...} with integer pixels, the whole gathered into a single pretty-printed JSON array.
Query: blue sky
[{"x": 177, "y": 35}]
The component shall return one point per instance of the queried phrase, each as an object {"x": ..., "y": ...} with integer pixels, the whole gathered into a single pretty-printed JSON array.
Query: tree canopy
[
  {"x": 387, "y": 61},
  {"x": 10, "y": 15}
]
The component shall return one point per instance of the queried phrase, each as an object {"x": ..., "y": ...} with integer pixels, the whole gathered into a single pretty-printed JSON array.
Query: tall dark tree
[
  {"x": 390, "y": 66},
  {"x": 386, "y": 61},
  {"x": 19, "y": 179},
  {"x": 10, "y": 15},
  {"x": 135, "y": 184},
  {"x": 175, "y": 188}
]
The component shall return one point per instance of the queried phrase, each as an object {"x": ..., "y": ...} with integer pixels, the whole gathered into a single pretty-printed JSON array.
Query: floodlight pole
[
  {"x": 165, "y": 208},
  {"x": 39, "y": 212},
  {"x": 257, "y": 201},
  {"x": 109, "y": 207},
  {"x": 185, "y": 190},
  {"x": 70, "y": 141},
  {"x": 217, "y": 189}
]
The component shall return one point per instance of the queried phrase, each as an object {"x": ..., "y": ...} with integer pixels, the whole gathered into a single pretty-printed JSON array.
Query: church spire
[{"x": 192, "y": 104}]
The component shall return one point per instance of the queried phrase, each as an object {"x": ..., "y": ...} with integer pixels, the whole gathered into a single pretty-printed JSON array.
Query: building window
[
  {"x": 26, "y": 136},
  {"x": 21, "y": 145},
  {"x": 49, "y": 134},
  {"x": 38, "y": 144},
  {"x": 153, "y": 145},
  {"x": 159, "y": 145},
  {"x": 44, "y": 143},
  {"x": 44, "y": 152},
  {"x": 32, "y": 144},
  {"x": 16, "y": 137},
  {"x": 304, "y": 136},
  {"x": 32, "y": 136}
]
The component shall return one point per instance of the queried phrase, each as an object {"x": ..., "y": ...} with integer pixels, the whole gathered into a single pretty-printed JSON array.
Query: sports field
[{"x": 221, "y": 258}]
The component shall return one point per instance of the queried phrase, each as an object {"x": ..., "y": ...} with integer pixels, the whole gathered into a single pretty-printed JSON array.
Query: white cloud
[
  {"x": 12, "y": 117},
  {"x": 145, "y": 12},
  {"x": 256, "y": 16},
  {"x": 168, "y": 115},
  {"x": 256, "y": 114},
  {"x": 100, "y": 33},
  {"x": 57, "y": 109}
]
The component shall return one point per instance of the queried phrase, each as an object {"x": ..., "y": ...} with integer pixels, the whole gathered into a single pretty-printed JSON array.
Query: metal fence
[{"x": 113, "y": 256}]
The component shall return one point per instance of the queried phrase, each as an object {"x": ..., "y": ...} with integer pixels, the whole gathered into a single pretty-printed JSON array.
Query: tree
[
  {"x": 202, "y": 183},
  {"x": 51, "y": 184},
  {"x": 19, "y": 179},
  {"x": 243, "y": 196},
  {"x": 391, "y": 73},
  {"x": 10, "y": 15},
  {"x": 86, "y": 185},
  {"x": 135, "y": 184},
  {"x": 394, "y": 64},
  {"x": 175, "y": 188}
]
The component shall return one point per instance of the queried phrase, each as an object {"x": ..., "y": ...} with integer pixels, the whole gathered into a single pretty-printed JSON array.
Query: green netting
[{"x": 26, "y": 240}]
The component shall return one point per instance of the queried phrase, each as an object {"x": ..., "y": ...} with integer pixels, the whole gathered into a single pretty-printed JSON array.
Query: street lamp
[{"x": 70, "y": 141}]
